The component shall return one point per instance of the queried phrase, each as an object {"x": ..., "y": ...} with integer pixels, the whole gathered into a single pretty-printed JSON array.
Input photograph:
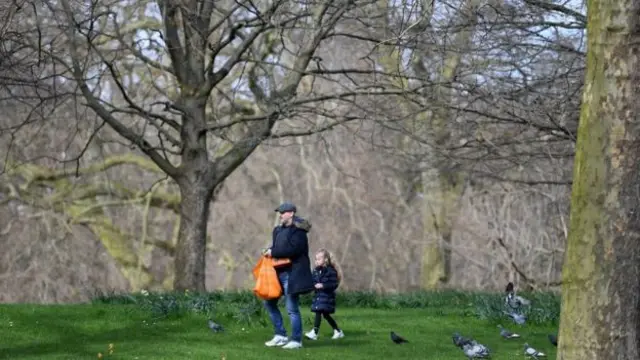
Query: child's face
[{"x": 320, "y": 259}]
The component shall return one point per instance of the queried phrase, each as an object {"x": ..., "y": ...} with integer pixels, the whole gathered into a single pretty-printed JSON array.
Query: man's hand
[
  {"x": 266, "y": 252},
  {"x": 319, "y": 286}
]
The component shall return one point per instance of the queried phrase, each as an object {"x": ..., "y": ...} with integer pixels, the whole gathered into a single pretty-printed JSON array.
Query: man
[{"x": 290, "y": 241}]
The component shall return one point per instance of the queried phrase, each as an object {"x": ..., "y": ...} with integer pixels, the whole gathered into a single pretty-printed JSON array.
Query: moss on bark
[
  {"x": 84, "y": 203},
  {"x": 600, "y": 316}
]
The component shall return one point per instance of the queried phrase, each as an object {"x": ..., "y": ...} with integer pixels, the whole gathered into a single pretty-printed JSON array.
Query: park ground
[{"x": 175, "y": 327}]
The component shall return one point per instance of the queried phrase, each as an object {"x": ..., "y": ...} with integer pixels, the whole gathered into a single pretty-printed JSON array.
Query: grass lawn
[{"x": 83, "y": 331}]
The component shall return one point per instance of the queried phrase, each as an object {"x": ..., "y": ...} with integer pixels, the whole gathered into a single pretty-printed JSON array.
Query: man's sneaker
[
  {"x": 277, "y": 340},
  {"x": 311, "y": 335},
  {"x": 293, "y": 345},
  {"x": 337, "y": 334}
]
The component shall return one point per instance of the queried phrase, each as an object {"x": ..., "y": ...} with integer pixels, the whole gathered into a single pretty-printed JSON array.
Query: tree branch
[
  {"x": 305, "y": 101},
  {"x": 317, "y": 130},
  {"x": 225, "y": 164},
  {"x": 135, "y": 52},
  {"x": 65, "y": 193},
  {"x": 214, "y": 77},
  {"x": 291, "y": 81},
  {"x": 548, "y": 5},
  {"x": 95, "y": 104},
  {"x": 36, "y": 173},
  {"x": 169, "y": 11},
  {"x": 530, "y": 281}
]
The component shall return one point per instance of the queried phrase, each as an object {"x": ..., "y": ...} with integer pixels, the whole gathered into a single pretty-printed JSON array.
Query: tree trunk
[
  {"x": 439, "y": 212},
  {"x": 442, "y": 206},
  {"x": 190, "y": 263},
  {"x": 439, "y": 217},
  {"x": 196, "y": 183},
  {"x": 601, "y": 288}
]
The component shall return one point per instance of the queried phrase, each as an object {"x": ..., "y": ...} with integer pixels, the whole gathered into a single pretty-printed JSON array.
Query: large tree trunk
[
  {"x": 601, "y": 287},
  {"x": 441, "y": 209},
  {"x": 196, "y": 182},
  {"x": 439, "y": 215},
  {"x": 190, "y": 263}
]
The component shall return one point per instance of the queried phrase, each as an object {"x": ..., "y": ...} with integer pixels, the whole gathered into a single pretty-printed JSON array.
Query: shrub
[{"x": 244, "y": 308}]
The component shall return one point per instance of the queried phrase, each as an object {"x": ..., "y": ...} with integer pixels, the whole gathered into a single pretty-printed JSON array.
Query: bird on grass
[
  {"x": 529, "y": 351},
  {"x": 473, "y": 350},
  {"x": 397, "y": 338},
  {"x": 507, "y": 334},
  {"x": 460, "y": 341},
  {"x": 519, "y": 319},
  {"x": 553, "y": 339},
  {"x": 513, "y": 300},
  {"x": 215, "y": 327}
]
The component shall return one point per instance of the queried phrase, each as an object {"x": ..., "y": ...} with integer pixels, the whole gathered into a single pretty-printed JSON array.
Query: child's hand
[{"x": 319, "y": 286}]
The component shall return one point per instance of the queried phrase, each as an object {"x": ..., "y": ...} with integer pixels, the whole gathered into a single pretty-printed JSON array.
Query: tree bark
[
  {"x": 601, "y": 288},
  {"x": 439, "y": 214},
  {"x": 196, "y": 181},
  {"x": 439, "y": 217},
  {"x": 190, "y": 259}
]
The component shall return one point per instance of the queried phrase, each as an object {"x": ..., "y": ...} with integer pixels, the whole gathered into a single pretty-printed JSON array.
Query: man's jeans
[{"x": 293, "y": 309}]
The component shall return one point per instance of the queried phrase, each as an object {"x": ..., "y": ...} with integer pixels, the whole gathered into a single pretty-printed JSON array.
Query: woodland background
[{"x": 437, "y": 150}]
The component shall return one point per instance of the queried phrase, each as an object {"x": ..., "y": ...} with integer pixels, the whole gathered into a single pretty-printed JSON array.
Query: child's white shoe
[
  {"x": 311, "y": 335},
  {"x": 337, "y": 334}
]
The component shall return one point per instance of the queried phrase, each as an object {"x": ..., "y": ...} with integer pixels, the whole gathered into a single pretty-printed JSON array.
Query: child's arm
[{"x": 330, "y": 281}]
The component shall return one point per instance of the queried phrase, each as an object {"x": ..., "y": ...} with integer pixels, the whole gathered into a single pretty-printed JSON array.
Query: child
[{"x": 326, "y": 277}]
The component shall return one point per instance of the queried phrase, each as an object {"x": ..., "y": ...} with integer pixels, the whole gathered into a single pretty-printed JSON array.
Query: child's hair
[{"x": 331, "y": 260}]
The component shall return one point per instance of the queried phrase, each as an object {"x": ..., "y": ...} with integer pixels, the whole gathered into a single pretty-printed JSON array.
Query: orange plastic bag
[{"x": 267, "y": 285}]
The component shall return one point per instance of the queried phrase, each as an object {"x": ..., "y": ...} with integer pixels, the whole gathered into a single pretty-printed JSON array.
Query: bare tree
[
  {"x": 600, "y": 314},
  {"x": 198, "y": 86},
  {"x": 491, "y": 107},
  {"x": 506, "y": 132}
]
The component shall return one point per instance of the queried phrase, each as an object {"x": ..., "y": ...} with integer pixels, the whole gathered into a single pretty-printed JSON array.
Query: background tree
[
  {"x": 491, "y": 107},
  {"x": 218, "y": 78},
  {"x": 72, "y": 184},
  {"x": 600, "y": 295}
]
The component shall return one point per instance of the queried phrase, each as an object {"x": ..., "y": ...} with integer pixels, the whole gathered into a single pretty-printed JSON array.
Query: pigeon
[
  {"x": 529, "y": 351},
  {"x": 514, "y": 301},
  {"x": 460, "y": 341},
  {"x": 506, "y": 333},
  {"x": 397, "y": 338},
  {"x": 215, "y": 327},
  {"x": 519, "y": 319},
  {"x": 553, "y": 339},
  {"x": 474, "y": 350},
  {"x": 510, "y": 288}
]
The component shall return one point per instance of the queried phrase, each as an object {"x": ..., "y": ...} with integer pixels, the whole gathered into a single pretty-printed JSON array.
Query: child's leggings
[{"x": 327, "y": 316}]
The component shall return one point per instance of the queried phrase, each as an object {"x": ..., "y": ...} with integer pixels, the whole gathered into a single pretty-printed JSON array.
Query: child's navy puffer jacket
[{"x": 324, "y": 300}]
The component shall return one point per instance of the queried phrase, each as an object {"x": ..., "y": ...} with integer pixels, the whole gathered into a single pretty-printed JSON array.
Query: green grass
[{"x": 170, "y": 326}]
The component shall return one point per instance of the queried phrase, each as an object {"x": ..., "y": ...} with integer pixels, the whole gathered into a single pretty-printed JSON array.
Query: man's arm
[
  {"x": 274, "y": 233},
  {"x": 295, "y": 246}
]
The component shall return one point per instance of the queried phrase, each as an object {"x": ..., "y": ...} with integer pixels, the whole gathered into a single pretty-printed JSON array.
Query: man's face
[{"x": 286, "y": 217}]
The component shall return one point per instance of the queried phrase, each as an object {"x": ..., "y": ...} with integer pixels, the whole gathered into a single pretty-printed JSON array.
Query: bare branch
[
  {"x": 94, "y": 103},
  {"x": 313, "y": 131},
  {"x": 529, "y": 280},
  {"x": 548, "y": 5}
]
